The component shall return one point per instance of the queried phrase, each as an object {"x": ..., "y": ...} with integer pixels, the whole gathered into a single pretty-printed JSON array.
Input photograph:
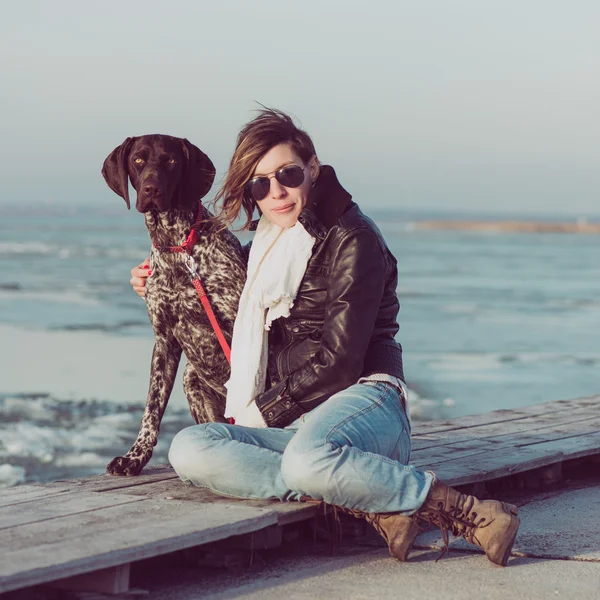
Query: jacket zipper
[{"x": 279, "y": 359}]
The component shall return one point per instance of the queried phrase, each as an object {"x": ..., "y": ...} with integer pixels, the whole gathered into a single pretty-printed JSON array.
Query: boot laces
[{"x": 458, "y": 519}]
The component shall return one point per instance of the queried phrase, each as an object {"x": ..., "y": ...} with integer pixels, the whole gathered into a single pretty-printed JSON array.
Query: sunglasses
[{"x": 291, "y": 176}]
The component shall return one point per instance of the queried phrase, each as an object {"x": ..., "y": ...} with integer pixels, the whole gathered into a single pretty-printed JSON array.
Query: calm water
[{"x": 487, "y": 321}]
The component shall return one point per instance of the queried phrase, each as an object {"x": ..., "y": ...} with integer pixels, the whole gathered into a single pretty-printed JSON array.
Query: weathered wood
[
  {"x": 473, "y": 444},
  {"x": 503, "y": 463},
  {"x": 271, "y": 537},
  {"x": 79, "y": 526},
  {"x": 62, "y": 547},
  {"x": 575, "y": 446},
  {"x": 487, "y": 429},
  {"x": 58, "y": 506},
  {"x": 440, "y": 454},
  {"x": 174, "y": 489},
  {"x": 433, "y": 460},
  {"x": 26, "y": 493},
  {"x": 114, "y": 580},
  {"x": 497, "y": 433},
  {"x": 505, "y": 416},
  {"x": 106, "y": 482}
]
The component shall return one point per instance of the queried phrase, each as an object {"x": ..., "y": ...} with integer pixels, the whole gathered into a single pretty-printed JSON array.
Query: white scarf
[{"x": 276, "y": 266}]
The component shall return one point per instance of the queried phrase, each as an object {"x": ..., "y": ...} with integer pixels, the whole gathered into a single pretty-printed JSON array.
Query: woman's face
[{"x": 282, "y": 205}]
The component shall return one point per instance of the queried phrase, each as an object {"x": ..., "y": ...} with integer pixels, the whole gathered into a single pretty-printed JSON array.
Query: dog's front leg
[{"x": 165, "y": 360}]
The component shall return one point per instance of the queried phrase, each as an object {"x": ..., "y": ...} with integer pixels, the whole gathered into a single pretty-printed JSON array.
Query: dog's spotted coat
[{"x": 179, "y": 320}]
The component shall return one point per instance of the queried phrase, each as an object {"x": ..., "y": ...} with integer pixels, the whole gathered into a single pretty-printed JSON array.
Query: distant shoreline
[{"x": 510, "y": 226}]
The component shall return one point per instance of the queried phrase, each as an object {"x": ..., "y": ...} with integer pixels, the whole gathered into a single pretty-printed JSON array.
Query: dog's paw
[{"x": 123, "y": 465}]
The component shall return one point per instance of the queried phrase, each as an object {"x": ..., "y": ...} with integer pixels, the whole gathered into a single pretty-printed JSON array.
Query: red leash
[{"x": 190, "y": 263}]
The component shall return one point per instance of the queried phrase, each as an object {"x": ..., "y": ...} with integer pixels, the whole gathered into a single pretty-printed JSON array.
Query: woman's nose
[{"x": 277, "y": 190}]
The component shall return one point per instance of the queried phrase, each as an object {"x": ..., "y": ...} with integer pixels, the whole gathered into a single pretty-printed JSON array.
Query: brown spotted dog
[{"x": 170, "y": 176}]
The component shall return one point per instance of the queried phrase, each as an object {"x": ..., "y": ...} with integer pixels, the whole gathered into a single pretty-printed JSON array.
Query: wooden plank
[
  {"x": 433, "y": 461},
  {"x": 120, "y": 519},
  {"x": 505, "y": 415},
  {"x": 508, "y": 439},
  {"x": 488, "y": 429},
  {"x": 287, "y": 512},
  {"x": 26, "y": 493},
  {"x": 106, "y": 482},
  {"x": 575, "y": 446},
  {"x": 498, "y": 431},
  {"x": 467, "y": 422},
  {"x": 39, "y": 552},
  {"x": 114, "y": 580},
  {"x": 59, "y": 506},
  {"x": 589, "y": 431},
  {"x": 473, "y": 444},
  {"x": 520, "y": 455},
  {"x": 585, "y": 427},
  {"x": 504, "y": 463}
]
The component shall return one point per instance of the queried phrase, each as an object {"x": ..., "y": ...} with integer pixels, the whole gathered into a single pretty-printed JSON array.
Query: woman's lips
[{"x": 284, "y": 208}]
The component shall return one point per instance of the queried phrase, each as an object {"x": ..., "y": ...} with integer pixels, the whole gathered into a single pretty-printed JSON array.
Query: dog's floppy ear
[
  {"x": 115, "y": 171},
  {"x": 198, "y": 175}
]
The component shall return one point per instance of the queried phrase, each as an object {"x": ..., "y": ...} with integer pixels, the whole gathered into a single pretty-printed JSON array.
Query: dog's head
[{"x": 166, "y": 172}]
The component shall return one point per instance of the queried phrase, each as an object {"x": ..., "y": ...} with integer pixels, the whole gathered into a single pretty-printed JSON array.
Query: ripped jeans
[{"x": 352, "y": 451}]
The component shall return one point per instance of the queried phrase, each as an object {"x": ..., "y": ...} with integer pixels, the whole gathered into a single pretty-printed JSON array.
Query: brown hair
[{"x": 269, "y": 129}]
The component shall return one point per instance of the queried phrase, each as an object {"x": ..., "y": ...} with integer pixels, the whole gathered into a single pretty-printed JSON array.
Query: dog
[{"x": 170, "y": 176}]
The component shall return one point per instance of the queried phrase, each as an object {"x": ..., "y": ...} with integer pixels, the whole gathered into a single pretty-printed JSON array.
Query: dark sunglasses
[{"x": 291, "y": 176}]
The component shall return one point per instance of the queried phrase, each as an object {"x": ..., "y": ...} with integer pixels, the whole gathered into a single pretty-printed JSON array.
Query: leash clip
[{"x": 190, "y": 264}]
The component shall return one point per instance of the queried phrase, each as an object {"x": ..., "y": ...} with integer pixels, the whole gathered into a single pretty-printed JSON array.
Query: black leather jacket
[{"x": 343, "y": 321}]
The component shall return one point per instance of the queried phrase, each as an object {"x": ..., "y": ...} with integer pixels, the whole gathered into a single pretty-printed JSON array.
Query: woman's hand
[{"x": 139, "y": 275}]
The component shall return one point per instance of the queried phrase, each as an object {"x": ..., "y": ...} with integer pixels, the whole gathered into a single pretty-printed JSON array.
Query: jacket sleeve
[
  {"x": 246, "y": 250},
  {"x": 356, "y": 287}
]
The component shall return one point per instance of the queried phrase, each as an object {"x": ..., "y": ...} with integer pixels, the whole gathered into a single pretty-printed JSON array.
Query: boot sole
[{"x": 512, "y": 530}]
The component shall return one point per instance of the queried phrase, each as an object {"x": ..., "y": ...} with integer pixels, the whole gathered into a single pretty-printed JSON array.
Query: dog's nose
[{"x": 151, "y": 189}]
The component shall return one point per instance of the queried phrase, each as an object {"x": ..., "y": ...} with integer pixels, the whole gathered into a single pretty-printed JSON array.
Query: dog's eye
[
  {"x": 138, "y": 160},
  {"x": 171, "y": 161}
]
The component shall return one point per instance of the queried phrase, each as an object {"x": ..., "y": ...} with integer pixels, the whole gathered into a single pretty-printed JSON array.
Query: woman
[{"x": 319, "y": 401}]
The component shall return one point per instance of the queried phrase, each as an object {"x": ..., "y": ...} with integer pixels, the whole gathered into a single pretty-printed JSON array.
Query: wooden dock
[{"x": 83, "y": 534}]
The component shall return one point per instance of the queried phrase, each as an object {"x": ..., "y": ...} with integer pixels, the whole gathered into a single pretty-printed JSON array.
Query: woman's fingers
[
  {"x": 139, "y": 274},
  {"x": 139, "y": 286},
  {"x": 142, "y": 267}
]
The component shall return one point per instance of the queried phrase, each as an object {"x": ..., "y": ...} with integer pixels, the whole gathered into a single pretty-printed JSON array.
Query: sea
[{"x": 487, "y": 321}]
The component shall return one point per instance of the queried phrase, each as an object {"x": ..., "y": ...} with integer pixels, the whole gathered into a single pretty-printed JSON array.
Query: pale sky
[{"x": 440, "y": 104}]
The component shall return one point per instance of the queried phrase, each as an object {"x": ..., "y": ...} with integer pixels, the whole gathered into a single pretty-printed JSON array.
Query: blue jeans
[{"x": 352, "y": 450}]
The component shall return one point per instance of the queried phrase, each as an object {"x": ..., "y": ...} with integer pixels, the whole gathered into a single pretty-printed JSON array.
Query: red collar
[
  {"x": 187, "y": 246},
  {"x": 192, "y": 238}
]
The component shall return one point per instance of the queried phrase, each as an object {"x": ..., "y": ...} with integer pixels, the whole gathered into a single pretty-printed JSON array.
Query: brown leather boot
[
  {"x": 490, "y": 524},
  {"x": 397, "y": 530}
]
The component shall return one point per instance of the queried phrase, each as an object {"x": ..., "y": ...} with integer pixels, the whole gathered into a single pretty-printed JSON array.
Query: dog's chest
[{"x": 170, "y": 292}]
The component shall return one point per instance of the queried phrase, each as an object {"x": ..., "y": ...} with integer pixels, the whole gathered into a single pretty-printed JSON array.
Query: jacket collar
[{"x": 327, "y": 202}]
